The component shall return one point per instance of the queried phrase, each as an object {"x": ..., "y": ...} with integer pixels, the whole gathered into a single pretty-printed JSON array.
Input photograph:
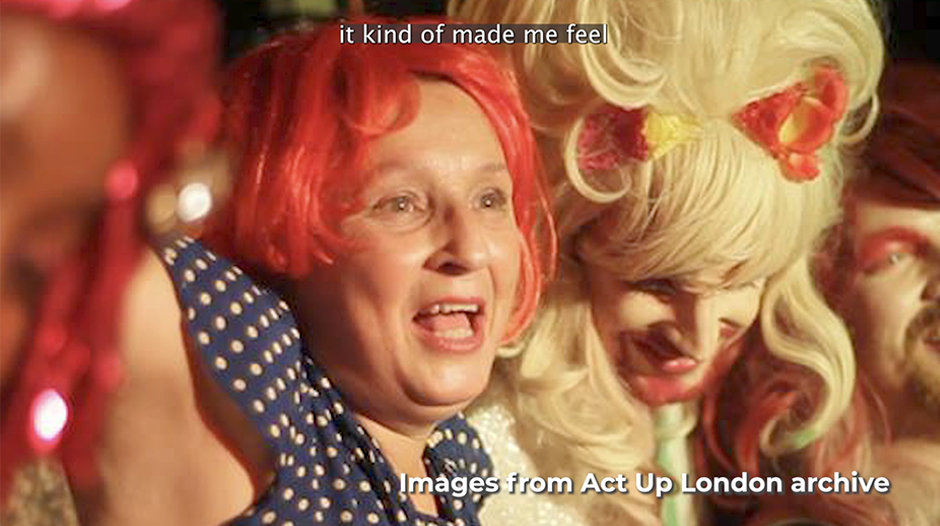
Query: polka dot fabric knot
[{"x": 329, "y": 470}]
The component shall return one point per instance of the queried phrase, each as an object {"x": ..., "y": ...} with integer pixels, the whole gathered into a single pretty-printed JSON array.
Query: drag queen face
[
  {"x": 676, "y": 270},
  {"x": 893, "y": 301},
  {"x": 671, "y": 338}
]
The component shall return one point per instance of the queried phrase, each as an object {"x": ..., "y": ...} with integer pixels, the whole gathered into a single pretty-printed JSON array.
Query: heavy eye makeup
[
  {"x": 885, "y": 250},
  {"x": 661, "y": 287}
]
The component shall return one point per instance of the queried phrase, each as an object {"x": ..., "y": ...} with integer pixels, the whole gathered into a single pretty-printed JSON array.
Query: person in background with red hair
[{"x": 102, "y": 103}]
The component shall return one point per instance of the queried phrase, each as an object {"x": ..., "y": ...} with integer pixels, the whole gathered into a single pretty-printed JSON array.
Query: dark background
[
  {"x": 912, "y": 27},
  {"x": 250, "y": 22}
]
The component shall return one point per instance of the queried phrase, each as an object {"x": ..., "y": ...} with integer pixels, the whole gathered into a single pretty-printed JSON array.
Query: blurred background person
[{"x": 106, "y": 113}]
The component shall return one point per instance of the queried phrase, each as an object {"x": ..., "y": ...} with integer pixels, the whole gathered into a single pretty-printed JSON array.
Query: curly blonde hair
[{"x": 715, "y": 200}]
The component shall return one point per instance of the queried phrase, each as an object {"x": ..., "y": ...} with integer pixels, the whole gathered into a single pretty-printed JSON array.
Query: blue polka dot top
[{"x": 328, "y": 469}]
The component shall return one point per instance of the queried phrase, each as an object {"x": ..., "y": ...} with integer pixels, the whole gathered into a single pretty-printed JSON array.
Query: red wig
[
  {"x": 301, "y": 113},
  {"x": 167, "y": 51}
]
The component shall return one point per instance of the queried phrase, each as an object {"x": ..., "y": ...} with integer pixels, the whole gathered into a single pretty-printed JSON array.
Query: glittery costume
[
  {"x": 328, "y": 469},
  {"x": 40, "y": 496},
  {"x": 496, "y": 425}
]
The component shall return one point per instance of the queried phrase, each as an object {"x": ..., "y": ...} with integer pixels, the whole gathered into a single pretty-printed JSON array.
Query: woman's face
[
  {"x": 407, "y": 323},
  {"x": 65, "y": 121},
  {"x": 671, "y": 339}
]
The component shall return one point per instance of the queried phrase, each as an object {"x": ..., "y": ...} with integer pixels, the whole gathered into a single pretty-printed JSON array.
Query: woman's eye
[
  {"x": 398, "y": 204},
  {"x": 493, "y": 199},
  {"x": 886, "y": 262},
  {"x": 895, "y": 257},
  {"x": 658, "y": 287}
]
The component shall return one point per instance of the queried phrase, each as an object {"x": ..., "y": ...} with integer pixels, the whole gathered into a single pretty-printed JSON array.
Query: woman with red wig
[
  {"x": 101, "y": 101},
  {"x": 390, "y": 195}
]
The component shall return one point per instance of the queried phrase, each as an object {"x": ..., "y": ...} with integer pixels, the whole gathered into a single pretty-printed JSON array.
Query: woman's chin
[{"x": 448, "y": 399}]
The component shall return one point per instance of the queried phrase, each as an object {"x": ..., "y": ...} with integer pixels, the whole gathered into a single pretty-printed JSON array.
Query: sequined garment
[
  {"x": 328, "y": 469},
  {"x": 496, "y": 426},
  {"x": 40, "y": 497}
]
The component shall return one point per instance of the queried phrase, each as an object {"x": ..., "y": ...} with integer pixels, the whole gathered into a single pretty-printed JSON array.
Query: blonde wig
[{"x": 716, "y": 200}]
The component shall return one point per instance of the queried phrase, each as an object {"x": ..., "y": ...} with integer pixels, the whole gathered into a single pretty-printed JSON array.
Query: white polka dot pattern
[{"x": 329, "y": 470}]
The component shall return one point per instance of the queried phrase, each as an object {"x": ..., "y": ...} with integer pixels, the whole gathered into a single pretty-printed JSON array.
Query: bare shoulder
[
  {"x": 159, "y": 461},
  {"x": 151, "y": 336}
]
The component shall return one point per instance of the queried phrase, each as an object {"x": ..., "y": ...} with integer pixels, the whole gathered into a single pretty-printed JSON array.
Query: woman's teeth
[
  {"x": 450, "y": 321},
  {"x": 455, "y": 334},
  {"x": 449, "y": 308}
]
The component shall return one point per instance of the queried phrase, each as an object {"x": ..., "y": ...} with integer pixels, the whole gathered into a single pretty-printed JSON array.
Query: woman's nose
[
  {"x": 698, "y": 317},
  {"x": 463, "y": 247}
]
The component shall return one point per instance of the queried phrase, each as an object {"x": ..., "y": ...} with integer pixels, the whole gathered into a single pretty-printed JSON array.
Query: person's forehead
[{"x": 874, "y": 212}]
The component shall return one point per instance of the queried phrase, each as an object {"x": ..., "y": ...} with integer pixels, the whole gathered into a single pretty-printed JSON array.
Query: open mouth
[
  {"x": 669, "y": 359},
  {"x": 453, "y": 325},
  {"x": 663, "y": 356}
]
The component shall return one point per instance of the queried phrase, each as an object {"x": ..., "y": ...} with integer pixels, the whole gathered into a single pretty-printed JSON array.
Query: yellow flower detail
[{"x": 664, "y": 132}]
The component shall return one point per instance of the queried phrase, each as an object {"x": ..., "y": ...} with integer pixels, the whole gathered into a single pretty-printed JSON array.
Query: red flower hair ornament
[
  {"x": 612, "y": 135},
  {"x": 791, "y": 126}
]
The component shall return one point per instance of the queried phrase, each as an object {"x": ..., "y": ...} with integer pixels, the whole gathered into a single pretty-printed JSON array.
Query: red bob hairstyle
[{"x": 301, "y": 113}]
